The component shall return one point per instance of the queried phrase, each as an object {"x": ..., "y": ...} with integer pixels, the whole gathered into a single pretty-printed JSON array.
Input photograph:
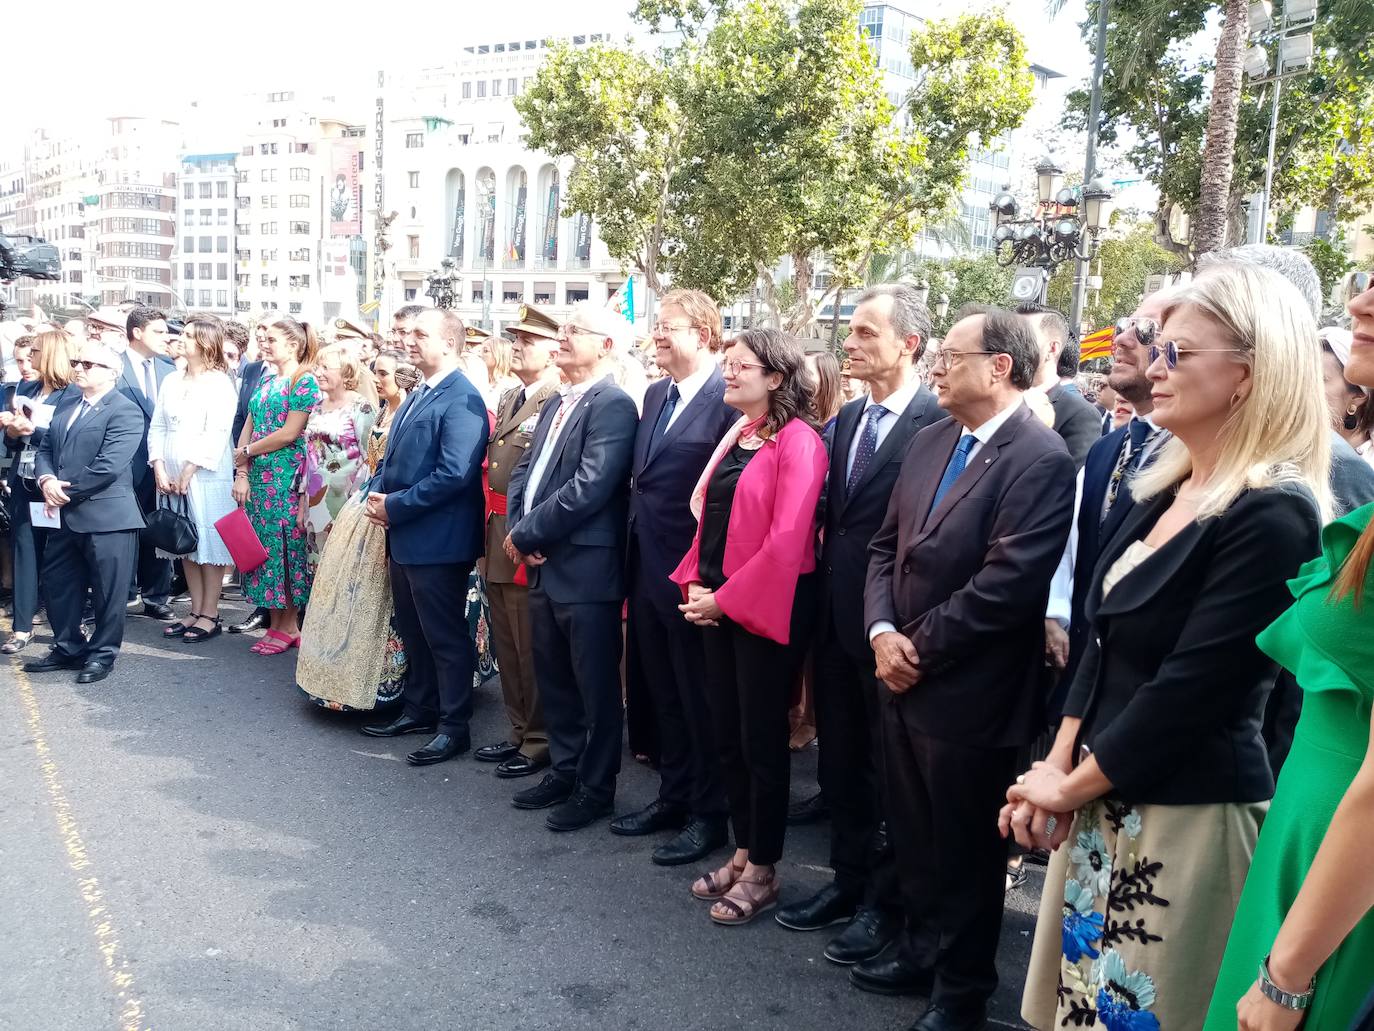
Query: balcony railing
[{"x": 512, "y": 263}]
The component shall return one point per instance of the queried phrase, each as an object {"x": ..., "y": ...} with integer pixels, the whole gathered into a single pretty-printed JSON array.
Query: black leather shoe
[
  {"x": 155, "y": 611},
  {"x": 658, "y": 815},
  {"x": 92, "y": 672},
  {"x": 52, "y": 662},
  {"x": 863, "y": 938},
  {"x": 520, "y": 765},
  {"x": 256, "y": 621},
  {"x": 400, "y": 725},
  {"x": 892, "y": 973},
  {"x": 698, "y": 839},
  {"x": 937, "y": 1018},
  {"x": 549, "y": 791},
  {"x": 580, "y": 810},
  {"x": 829, "y": 906},
  {"x": 495, "y": 753},
  {"x": 811, "y": 810},
  {"x": 443, "y": 748}
]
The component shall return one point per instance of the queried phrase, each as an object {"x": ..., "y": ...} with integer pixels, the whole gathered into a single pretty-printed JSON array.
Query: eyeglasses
[
  {"x": 1171, "y": 351},
  {"x": 662, "y": 329},
  {"x": 733, "y": 366},
  {"x": 570, "y": 330},
  {"x": 1145, "y": 329},
  {"x": 81, "y": 363},
  {"x": 947, "y": 358}
]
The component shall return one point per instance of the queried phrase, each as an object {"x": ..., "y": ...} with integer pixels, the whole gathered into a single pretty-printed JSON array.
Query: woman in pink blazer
[{"x": 747, "y": 580}]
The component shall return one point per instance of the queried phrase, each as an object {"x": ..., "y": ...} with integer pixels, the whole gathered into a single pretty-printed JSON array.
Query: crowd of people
[{"x": 1128, "y": 637}]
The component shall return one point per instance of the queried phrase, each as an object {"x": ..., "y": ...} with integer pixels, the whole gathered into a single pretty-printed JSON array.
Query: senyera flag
[{"x": 1096, "y": 345}]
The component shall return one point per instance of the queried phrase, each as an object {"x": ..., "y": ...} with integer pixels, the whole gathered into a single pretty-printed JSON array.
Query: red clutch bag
[{"x": 241, "y": 540}]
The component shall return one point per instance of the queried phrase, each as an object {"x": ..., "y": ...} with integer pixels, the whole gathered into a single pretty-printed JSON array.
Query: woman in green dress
[
  {"x": 267, "y": 482},
  {"x": 1306, "y": 904}
]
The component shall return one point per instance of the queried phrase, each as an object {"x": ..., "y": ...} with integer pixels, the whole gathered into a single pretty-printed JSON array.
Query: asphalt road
[{"x": 191, "y": 846}]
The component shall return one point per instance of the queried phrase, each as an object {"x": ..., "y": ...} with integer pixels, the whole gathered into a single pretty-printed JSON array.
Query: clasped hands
[
  {"x": 55, "y": 494},
  {"x": 166, "y": 485},
  {"x": 1033, "y": 801},
  {"x": 701, "y": 607},
  {"x": 520, "y": 558}
]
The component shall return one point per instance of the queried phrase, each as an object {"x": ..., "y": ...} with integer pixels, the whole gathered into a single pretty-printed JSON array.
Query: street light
[
  {"x": 942, "y": 306},
  {"x": 1065, "y": 225},
  {"x": 1049, "y": 178},
  {"x": 442, "y": 286}
]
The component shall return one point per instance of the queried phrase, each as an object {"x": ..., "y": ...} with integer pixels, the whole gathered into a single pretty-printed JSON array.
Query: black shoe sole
[
  {"x": 883, "y": 989},
  {"x": 812, "y": 927},
  {"x": 563, "y": 829},
  {"x": 850, "y": 962},
  {"x": 644, "y": 833},
  {"x": 516, "y": 775},
  {"x": 494, "y": 758},
  {"x": 432, "y": 760},
  {"x": 685, "y": 858},
  {"x": 56, "y": 669},
  {"x": 540, "y": 805},
  {"x": 398, "y": 733}
]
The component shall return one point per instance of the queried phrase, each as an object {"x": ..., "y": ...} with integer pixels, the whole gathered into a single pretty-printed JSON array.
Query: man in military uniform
[
  {"x": 349, "y": 334},
  {"x": 527, "y": 750}
]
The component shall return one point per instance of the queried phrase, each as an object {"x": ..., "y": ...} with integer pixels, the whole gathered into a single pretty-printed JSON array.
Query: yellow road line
[{"x": 131, "y": 1017}]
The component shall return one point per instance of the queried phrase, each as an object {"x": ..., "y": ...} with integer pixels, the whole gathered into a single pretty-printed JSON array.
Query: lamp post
[{"x": 442, "y": 287}]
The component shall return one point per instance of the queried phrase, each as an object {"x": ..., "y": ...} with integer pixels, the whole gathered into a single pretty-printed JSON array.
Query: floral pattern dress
[
  {"x": 273, "y": 495},
  {"x": 334, "y": 463}
]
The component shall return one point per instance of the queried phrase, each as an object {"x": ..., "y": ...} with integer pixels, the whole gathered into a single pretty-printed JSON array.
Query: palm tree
[{"x": 1223, "y": 115}]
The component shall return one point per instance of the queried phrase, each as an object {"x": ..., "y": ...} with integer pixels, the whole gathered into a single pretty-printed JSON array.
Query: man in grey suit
[
  {"x": 567, "y": 505},
  {"x": 85, "y": 473}
]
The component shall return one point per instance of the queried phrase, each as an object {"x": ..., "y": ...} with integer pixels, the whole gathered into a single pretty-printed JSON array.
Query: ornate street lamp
[
  {"x": 442, "y": 286},
  {"x": 942, "y": 306}
]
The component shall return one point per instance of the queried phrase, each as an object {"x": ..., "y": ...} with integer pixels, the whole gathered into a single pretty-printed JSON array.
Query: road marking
[
  {"x": 131, "y": 1017},
  {"x": 376, "y": 755}
]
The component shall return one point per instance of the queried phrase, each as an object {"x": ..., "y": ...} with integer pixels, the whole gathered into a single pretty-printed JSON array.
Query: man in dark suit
[
  {"x": 1075, "y": 419},
  {"x": 145, "y": 366},
  {"x": 248, "y": 376},
  {"x": 685, "y": 417},
  {"x": 887, "y": 337},
  {"x": 568, "y": 503},
  {"x": 431, "y": 503},
  {"x": 958, "y": 578},
  {"x": 85, "y": 469}
]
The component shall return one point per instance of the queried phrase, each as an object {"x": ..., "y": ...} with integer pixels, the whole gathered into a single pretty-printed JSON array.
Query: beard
[{"x": 1132, "y": 386}]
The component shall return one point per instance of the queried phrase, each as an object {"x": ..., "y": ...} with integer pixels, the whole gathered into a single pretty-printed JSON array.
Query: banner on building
[
  {"x": 517, "y": 241},
  {"x": 455, "y": 249},
  {"x": 336, "y": 270},
  {"x": 582, "y": 248},
  {"x": 551, "y": 222},
  {"x": 345, "y": 188}
]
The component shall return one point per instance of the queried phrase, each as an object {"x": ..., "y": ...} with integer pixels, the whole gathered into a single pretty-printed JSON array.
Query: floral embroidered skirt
[{"x": 1135, "y": 914}]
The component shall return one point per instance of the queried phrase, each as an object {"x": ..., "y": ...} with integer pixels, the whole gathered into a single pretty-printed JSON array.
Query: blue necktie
[
  {"x": 957, "y": 461},
  {"x": 868, "y": 444},
  {"x": 420, "y": 393},
  {"x": 664, "y": 417}
]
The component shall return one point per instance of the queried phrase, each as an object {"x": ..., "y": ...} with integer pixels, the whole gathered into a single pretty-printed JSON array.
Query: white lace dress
[{"x": 192, "y": 423}]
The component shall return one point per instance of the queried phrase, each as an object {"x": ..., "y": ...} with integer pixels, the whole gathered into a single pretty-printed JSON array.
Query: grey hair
[
  {"x": 910, "y": 317},
  {"x": 1005, "y": 333},
  {"x": 1292, "y": 264}
]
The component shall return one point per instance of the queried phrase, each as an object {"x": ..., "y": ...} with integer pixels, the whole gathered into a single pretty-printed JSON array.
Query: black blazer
[
  {"x": 849, "y": 521},
  {"x": 661, "y": 524},
  {"x": 250, "y": 376},
  {"x": 968, "y": 581},
  {"x": 579, "y": 519},
  {"x": 1076, "y": 420},
  {"x": 96, "y": 458},
  {"x": 1172, "y": 688}
]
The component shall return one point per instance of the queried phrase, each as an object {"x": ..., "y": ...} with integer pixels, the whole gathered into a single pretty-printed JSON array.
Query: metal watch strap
[{"x": 1275, "y": 994}]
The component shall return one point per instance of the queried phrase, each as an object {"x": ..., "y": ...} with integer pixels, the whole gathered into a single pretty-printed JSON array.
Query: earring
[
  {"x": 1237, "y": 398},
  {"x": 1351, "y": 422}
]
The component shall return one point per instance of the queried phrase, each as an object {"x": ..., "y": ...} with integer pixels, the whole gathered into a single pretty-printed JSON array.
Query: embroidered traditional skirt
[{"x": 1135, "y": 914}]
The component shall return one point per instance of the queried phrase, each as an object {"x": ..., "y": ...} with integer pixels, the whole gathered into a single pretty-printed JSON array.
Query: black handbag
[{"x": 169, "y": 527}]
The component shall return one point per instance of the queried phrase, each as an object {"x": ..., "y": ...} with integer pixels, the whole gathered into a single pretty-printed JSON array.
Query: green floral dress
[{"x": 274, "y": 495}]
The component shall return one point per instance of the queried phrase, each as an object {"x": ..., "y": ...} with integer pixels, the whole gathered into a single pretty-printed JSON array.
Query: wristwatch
[{"x": 1288, "y": 1000}]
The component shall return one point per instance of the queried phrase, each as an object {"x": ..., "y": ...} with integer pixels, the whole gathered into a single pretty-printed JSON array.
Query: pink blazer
[{"x": 771, "y": 538}]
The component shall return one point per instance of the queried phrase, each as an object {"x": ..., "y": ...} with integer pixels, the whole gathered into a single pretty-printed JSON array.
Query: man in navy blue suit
[
  {"x": 685, "y": 416},
  {"x": 145, "y": 366},
  {"x": 430, "y": 500}
]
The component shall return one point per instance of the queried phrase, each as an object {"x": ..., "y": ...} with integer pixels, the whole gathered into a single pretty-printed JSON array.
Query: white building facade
[
  {"x": 134, "y": 226},
  {"x": 206, "y": 206}
]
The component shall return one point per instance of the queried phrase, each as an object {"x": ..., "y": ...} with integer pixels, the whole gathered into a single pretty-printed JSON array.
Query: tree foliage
[{"x": 1124, "y": 262}]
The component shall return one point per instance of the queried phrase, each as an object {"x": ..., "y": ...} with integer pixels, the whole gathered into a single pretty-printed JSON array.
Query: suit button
[
  {"x": 840, "y": 531},
  {"x": 495, "y": 465},
  {"x": 906, "y": 568},
  {"x": 639, "y": 490},
  {"x": 500, "y": 443}
]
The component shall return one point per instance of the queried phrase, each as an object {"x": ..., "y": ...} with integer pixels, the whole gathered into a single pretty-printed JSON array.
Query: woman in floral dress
[
  {"x": 270, "y": 458},
  {"x": 335, "y": 437}
]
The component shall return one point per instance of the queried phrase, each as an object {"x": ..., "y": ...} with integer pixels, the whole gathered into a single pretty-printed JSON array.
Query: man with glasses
[
  {"x": 568, "y": 504},
  {"x": 403, "y": 330},
  {"x": 85, "y": 468},
  {"x": 685, "y": 417}
]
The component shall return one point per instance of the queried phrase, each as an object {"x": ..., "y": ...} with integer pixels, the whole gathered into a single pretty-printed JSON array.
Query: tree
[
  {"x": 1331, "y": 260},
  {"x": 1223, "y": 114},
  {"x": 1125, "y": 261}
]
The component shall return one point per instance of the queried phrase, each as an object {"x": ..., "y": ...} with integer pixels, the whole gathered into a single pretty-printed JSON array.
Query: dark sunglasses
[
  {"x": 1171, "y": 352},
  {"x": 1358, "y": 283},
  {"x": 1145, "y": 329},
  {"x": 81, "y": 363}
]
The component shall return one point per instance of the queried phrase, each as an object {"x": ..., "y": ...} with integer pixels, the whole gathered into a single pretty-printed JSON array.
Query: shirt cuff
[{"x": 882, "y": 626}]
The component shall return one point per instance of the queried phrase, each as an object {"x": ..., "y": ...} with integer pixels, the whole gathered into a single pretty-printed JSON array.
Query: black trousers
[
  {"x": 749, "y": 682},
  {"x": 154, "y": 575},
  {"x": 942, "y": 803},
  {"x": 75, "y": 563},
  {"x": 848, "y": 709},
  {"x": 671, "y": 663},
  {"x": 430, "y": 603},
  {"x": 577, "y": 671},
  {"x": 28, "y": 542}
]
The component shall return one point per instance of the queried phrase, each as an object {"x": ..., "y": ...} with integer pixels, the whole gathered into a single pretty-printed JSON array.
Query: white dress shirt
[
  {"x": 690, "y": 387},
  {"x": 570, "y": 397},
  {"x": 896, "y": 403}
]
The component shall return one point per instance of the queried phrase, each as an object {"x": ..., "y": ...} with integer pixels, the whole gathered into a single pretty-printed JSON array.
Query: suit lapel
[
  {"x": 943, "y": 445},
  {"x": 1150, "y": 577},
  {"x": 897, "y": 438},
  {"x": 977, "y": 466},
  {"x": 846, "y": 425},
  {"x": 710, "y": 391},
  {"x": 644, "y": 448},
  {"x": 570, "y": 423},
  {"x": 136, "y": 388}
]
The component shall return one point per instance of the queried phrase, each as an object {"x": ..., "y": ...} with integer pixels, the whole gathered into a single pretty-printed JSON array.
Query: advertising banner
[{"x": 345, "y": 198}]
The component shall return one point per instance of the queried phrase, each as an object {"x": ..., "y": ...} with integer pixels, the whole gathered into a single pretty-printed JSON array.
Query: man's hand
[
  {"x": 1056, "y": 644},
  {"x": 55, "y": 492},
  {"x": 376, "y": 509},
  {"x": 512, "y": 552},
  {"x": 897, "y": 661}
]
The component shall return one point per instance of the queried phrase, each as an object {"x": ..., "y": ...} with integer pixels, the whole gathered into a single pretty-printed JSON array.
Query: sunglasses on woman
[{"x": 1171, "y": 351}]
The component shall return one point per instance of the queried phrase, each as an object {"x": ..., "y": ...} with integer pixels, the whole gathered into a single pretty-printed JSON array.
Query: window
[
  {"x": 242, "y": 282},
  {"x": 243, "y": 254},
  {"x": 205, "y": 298},
  {"x": 188, "y": 271},
  {"x": 269, "y": 229},
  {"x": 467, "y": 90},
  {"x": 300, "y": 200},
  {"x": 495, "y": 87},
  {"x": 511, "y": 87},
  {"x": 189, "y": 217},
  {"x": 500, "y": 48},
  {"x": 279, "y": 123},
  {"x": 205, "y": 270},
  {"x": 205, "y": 189},
  {"x": 300, "y": 228},
  {"x": 301, "y": 254},
  {"x": 205, "y": 217},
  {"x": 294, "y": 307},
  {"x": 222, "y": 189},
  {"x": 479, "y": 292},
  {"x": 512, "y": 293},
  {"x": 415, "y": 139},
  {"x": 188, "y": 191},
  {"x": 272, "y": 254},
  {"x": 481, "y": 89},
  {"x": 221, "y": 270},
  {"x": 298, "y": 148},
  {"x": 269, "y": 175},
  {"x": 274, "y": 98},
  {"x": 188, "y": 243},
  {"x": 221, "y": 245},
  {"x": 575, "y": 292},
  {"x": 205, "y": 243},
  {"x": 221, "y": 216},
  {"x": 414, "y": 180},
  {"x": 300, "y": 175},
  {"x": 267, "y": 201},
  {"x": 221, "y": 298},
  {"x": 301, "y": 282},
  {"x": 413, "y": 243},
  {"x": 411, "y": 291},
  {"x": 264, "y": 279}
]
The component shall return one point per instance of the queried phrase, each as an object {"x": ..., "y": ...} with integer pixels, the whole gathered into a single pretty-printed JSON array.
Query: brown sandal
[
  {"x": 714, "y": 885},
  {"x": 739, "y": 905}
]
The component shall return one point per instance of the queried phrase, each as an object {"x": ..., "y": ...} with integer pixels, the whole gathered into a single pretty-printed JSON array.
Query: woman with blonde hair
[
  {"x": 51, "y": 354},
  {"x": 269, "y": 458},
  {"x": 1153, "y": 793}
]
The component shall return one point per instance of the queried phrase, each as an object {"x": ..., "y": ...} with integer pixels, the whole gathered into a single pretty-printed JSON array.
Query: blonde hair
[
  {"x": 357, "y": 377},
  {"x": 55, "y": 348},
  {"x": 1278, "y": 433},
  {"x": 501, "y": 353}
]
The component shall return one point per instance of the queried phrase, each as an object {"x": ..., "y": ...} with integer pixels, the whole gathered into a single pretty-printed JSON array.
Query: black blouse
[{"x": 715, "y": 516}]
